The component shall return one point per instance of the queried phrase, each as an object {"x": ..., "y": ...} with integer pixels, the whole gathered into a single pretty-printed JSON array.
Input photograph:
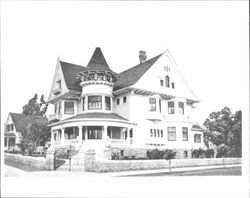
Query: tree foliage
[
  {"x": 223, "y": 129},
  {"x": 34, "y": 134},
  {"x": 35, "y": 108}
]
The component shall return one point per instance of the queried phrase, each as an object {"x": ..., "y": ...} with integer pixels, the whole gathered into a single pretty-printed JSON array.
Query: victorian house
[{"x": 147, "y": 106}]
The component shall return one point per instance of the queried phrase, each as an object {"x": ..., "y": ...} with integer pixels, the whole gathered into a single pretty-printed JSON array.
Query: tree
[
  {"x": 223, "y": 129},
  {"x": 35, "y": 108},
  {"x": 35, "y": 134}
]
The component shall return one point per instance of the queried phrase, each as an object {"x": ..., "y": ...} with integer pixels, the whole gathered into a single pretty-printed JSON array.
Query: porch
[
  {"x": 92, "y": 135},
  {"x": 10, "y": 142}
]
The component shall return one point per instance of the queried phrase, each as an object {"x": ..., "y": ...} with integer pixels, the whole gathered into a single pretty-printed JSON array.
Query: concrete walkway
[{"x": 11, "y": 171}]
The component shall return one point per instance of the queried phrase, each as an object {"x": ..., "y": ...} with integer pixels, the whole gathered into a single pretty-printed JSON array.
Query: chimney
[{"x": 142, "y": 56}]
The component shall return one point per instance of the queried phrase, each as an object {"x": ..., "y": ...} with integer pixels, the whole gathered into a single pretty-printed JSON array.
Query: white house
[
  {"x": 147, "y": 106},
  {"x": 15, "y": 124}
]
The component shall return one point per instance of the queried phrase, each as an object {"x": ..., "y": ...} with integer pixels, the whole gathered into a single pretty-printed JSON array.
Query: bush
[
  {"x": 209, "y": 153},
  {"x": 161, "y": 154}
]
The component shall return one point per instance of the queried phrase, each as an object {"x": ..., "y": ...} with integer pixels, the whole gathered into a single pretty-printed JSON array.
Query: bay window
[
  {"x": 83, "y": 103},
  {"x": 107, "y": 103},
  {"x": 94, "y": 102}
]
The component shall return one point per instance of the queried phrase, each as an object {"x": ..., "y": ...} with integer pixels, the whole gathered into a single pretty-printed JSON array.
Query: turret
[{"x": 97, "y": 82}]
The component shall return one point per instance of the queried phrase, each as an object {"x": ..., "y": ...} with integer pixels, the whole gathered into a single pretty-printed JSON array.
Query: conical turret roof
[{"x": 98, "y": 62}]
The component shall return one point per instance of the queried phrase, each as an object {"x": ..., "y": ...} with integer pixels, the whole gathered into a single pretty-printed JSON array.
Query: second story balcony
[{"x": 55, "y": 117}]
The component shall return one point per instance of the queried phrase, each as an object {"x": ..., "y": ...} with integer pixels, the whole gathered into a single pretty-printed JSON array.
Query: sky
[{"x": 208, "y": 40}]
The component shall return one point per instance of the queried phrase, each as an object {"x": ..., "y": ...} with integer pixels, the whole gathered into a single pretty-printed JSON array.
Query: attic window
[{"x": 59, "y": 84}]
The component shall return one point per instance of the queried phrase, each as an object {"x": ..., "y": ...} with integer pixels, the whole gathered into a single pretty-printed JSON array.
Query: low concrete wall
[
  {"x": 127, "y": 165},
  {"x": 38, "y": 162}
]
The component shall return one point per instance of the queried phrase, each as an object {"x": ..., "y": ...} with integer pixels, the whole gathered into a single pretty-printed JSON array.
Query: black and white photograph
[{"x": 125, "y": 99}]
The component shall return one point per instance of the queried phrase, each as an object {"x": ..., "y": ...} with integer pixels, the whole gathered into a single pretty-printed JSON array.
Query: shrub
[
  {"x": 209, "y": 153},
  {"x": 169, "y": 154}
]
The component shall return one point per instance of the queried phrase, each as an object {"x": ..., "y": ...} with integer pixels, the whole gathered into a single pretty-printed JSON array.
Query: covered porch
[{"x": 93, "y": 134}]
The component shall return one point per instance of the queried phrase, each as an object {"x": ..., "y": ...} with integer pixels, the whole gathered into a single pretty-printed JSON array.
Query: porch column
[
  {"x": 7, "y": 143},
  {"x": 86, "y": 132},
  {"x": 62, "y": 138},
  {"x": 80, "y": 133},
  {"x": 105, "y": 133}
]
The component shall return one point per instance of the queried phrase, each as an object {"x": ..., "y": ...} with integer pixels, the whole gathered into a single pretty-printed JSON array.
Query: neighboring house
[
  {"x": 147, "y": 106},
  {"x": 14, "y": 126}
]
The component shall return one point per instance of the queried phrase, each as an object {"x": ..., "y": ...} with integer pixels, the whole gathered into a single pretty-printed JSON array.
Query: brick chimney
[{"x": 142, "y": 56}]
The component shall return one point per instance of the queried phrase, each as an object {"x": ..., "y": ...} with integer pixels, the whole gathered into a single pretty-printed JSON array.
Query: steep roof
[
  {"x": 21, "y": 121},
  {"x": 132, "y": 75},
  {"x": 98, "y": 116},
  {"x": 70, "y": 72},
  {"x": 98, "y": 62}
]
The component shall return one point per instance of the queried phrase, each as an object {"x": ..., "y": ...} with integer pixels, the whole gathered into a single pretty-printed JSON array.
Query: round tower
[{"x": 97, "y": 82}]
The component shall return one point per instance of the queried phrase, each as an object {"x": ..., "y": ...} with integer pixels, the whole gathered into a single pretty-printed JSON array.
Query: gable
[
  {"x": 163, "y": 67},
  {"x": 9, "y": 121}
]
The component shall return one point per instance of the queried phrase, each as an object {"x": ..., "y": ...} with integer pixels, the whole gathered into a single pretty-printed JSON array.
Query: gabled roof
[
  {"x": 98, "y": 62},
  {"x": 22, "y": 121},
  {"x": 98, "y": 116},
  {"x": 70, "y": 72},
  {"x": 132, "y": 75}
]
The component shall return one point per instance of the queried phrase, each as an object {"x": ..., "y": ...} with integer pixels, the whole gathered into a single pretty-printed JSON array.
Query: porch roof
[{"x": 98, "y": 116}]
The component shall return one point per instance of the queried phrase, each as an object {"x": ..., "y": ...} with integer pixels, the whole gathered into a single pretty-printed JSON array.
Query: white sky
[{"x": 208, "y": 40}]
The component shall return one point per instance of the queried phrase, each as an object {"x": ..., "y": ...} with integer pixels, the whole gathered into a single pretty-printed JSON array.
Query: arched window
[{"x": 167, "y": 81}]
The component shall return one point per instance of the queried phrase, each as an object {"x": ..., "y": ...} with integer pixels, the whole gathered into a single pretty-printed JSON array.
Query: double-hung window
[
  {"x": 69, "y": 107},
  {"x": 107, "y": 103},
  {"x": 171, "y": 133},
  {"x": 152, "y": 104},
  {"x": 181, "y": 108},
  {"x": 94, "y": 102},
  {"x": 171, "y": 107},
  {"x": 197, "y": 138},
  {"x": 184, "y": 133},
  {"x": 83, "y": 103}
]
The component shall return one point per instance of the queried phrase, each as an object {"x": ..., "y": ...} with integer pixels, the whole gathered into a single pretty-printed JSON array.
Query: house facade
[
  {"x": 15, "y": 125},
  {"x": 145, "y": 107}
]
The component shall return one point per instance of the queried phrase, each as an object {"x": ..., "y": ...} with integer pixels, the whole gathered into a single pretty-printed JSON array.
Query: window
[
  {"x": 172, "y": 85},
  {"x": 94, "y": 102},
  {"x": 154, "y": 132},
  {"x": 56, "y": 108},
  {"x": 107, "y": 103},
  {"x": 171, "y": 134},
  {"x": 83, "y": 103},
  {"x": 185, "y": 154},
  {"x": 160, "y": 105},
  {"x": 69, "y": 107},
  {"x": 181, "y": 108},
  {"x": 167, "y": 81},
  {"x": 152, "y": 104},
  {"x": 151, "y": 132},
  {"x": 184, "y": 133},
  {"x": 161, "y": 83},
  {"x": 9, "y": 127},
  {"x": 118, "y": 101},
  {"x": 59, "y": 107},
  {"x": 161, "y": 133},
  {"x": 197, "y": 138},
  {"x": 59, "y": 84},
  {"x": 158, "y": 132},
  {"x": 170, "y": 107},
  {"x": 108, "y": 78},
  {"x": 124, "y": 99},
  {"x": 121, "y": 152}
]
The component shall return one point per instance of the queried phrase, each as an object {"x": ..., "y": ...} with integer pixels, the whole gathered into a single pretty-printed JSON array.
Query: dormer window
[
  {"x": 100, "y": 77},
  {"x": 59, "y": 84},
  {"x": 58, "y": 87}
]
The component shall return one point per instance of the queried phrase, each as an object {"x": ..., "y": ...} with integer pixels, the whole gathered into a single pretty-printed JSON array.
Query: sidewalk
[{"x": 11, "y": 171}]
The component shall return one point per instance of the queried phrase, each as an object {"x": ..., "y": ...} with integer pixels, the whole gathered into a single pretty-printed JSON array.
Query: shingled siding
[
  {"x": 37, "y": 162},
  {"x": 127, "y": 165}
]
